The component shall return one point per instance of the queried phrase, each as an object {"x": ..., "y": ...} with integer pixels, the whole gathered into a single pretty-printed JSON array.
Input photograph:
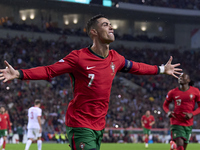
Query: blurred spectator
[
  {"x": 20, "y": 132},
  {"x": 56, "y": 137}
]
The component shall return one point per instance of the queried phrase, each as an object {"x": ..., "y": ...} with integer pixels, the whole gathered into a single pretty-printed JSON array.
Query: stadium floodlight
[
  {"x": 143, "y": 28},
  {"x": 116, "y": 126},
  {"x": 32, "y": 16},
  {"x": 115, "y": 26},
  {"x": 75, "y": 21},
  {"x": 66, "y": 22},
  {"x": 23, "y": 17}
]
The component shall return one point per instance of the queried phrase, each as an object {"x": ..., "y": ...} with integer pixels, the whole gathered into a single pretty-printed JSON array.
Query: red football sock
[
  {"x": 4, "y": 144},
  {"x": 146, "y": 140},
  {"x": 180, "y": 148}
]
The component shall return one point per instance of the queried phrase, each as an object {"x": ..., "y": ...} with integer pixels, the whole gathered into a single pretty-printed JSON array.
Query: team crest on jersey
[
  {"x": 174, "y": 134},
  {"x": 112, "y": 66},
  {"x": 191, "y": 96},
  {"x": 82, "y": 145}
]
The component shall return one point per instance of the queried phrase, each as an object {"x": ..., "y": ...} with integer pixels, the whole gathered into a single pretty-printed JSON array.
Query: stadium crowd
[
  {"x": 48, "y": 27},
  {"x": 126, "y": 106},
  {"x": 182, "y": 4}
]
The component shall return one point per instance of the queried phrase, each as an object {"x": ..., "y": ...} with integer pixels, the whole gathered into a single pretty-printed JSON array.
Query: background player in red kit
[
  {"x": 4, "y": 124},
  {"x": 147, "y": 121},
  {"x": 92, "y": 71},
  {"x": 181, "y": 118}
]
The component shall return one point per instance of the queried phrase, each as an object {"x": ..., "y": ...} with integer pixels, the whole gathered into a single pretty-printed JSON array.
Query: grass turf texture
[{"x": 104, "y": 146}]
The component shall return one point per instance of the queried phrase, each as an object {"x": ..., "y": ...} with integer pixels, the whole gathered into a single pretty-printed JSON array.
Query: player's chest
[
  {"x": 181, "y": 97},
  {"x": 100, "y": 68},
  {"x": 3, "y": 118},
  {"x": 147, "y": 120}
]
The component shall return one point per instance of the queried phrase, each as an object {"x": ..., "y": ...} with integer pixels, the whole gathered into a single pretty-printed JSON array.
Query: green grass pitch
[{"x": 104, "y": 146}]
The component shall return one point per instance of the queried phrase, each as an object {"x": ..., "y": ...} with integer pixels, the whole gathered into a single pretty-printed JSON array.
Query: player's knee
[
  {"x": 180, "y": 142},
  {"x": 30, "y": 139},
  {"x": 39, "y": 138}
]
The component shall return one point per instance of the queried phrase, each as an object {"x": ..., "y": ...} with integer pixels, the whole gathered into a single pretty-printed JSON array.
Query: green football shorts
[
  {"x": 84, "y": 138},
  {"x": 181, "y": 132},
  {"x": 3, "y": 132},
  {"x": 146, "y": 131}
]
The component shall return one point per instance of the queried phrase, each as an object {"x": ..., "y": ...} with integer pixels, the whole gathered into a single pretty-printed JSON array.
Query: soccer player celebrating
[
  {"x": 34, "y": 125},
  {"x": 4, "y": 123},
  {"x": 92, "y": 70},
  {"x": 147, "y": 121},
  {"x": 181, "y": 118}
]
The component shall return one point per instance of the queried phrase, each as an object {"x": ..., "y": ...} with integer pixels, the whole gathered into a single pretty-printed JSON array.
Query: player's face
[
  {"x": 105, "y": 31},
  {"x": 148, "y": 113},
  {"x": 183, "y": 79},
  {"x": 2, "y": 109}
]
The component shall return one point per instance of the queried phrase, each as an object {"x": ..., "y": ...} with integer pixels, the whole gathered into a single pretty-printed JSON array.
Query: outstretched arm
[
  {"x": 145, "y": 69},
  {"x": 65, "y": 65},
  {"x": 9, "y": 73}
]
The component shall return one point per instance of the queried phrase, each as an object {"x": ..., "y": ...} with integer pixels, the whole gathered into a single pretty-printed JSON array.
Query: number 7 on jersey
[{"x": 91, "y": 76}]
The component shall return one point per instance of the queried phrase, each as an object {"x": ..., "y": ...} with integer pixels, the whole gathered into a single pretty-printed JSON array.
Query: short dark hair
[
  {"x": 191, "y": 83},
  {"x": 3, "y": 106},
  {"x": 92, "y": 21},
  {"x": 37, "y": 101}
]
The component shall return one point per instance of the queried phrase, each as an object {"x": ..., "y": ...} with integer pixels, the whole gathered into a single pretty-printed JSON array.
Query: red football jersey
[
  {"x": 4, "y": 121},
  {"x": 184, "y": 101},
  {"x": 91, "y": 77},
  {"x": 147, "y": 120}
]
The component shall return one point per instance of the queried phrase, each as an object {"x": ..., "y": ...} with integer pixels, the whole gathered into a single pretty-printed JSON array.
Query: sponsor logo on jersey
[
  {"x": 177, "y": 97},
  {"x": 191, "y": 96},
  {"x": 88, "y": 68},
  {"x": 112, "y": 66},
  {"x": 82, "y": 145}
]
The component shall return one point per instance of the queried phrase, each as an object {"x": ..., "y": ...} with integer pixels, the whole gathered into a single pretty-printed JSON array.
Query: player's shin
[
  {"x": 39, "y": 144},
  {"x": 28, "y": 144},
  {"x": 180, "y": 148}
]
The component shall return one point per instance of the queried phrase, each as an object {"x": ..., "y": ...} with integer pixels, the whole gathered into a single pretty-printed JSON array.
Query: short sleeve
[{"x": 169, "y": 97}]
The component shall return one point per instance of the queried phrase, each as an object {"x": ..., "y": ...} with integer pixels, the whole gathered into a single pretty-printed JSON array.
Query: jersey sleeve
[
  {"x": 169, "y": 97},
  {"x": 65, "y": 65},
  {"x": 39, "y": 112},
  {"x": 167, "y": 101},
  {"x": 142, "y": 119},
  {"x": 138, "y": 68},
  {"x": 197, "y": 99},
  {"x": 153, "y": 119},
  {"x": 197, "y": 111},
  {"x": 8, "y": 121}
]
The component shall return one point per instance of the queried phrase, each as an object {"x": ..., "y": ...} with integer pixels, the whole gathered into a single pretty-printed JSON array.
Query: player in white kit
[{"x": 34, "y": 125}]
